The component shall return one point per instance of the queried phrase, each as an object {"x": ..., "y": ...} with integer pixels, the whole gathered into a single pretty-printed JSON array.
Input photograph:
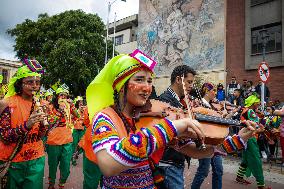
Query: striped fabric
[{"x": 134, "y": 149}]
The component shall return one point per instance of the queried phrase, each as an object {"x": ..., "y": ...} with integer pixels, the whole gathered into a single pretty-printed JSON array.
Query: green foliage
[{"x": 69, "y": 45}]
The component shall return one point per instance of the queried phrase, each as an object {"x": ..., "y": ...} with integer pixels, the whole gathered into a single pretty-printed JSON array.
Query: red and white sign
[{"x": 263, "y": 72}]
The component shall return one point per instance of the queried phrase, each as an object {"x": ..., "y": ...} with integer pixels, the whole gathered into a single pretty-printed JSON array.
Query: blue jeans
[
  {"x": 173, "y": 176},
  {"x": 203, "y": 170}
]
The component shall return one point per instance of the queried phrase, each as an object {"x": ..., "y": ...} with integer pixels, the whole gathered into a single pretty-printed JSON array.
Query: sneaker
[
  {"x": 263, "y": 154},
  {"x": 242, "y": 181}
]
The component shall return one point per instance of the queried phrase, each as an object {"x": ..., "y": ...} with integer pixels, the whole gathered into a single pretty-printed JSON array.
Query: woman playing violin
[
  {"x": 122, "y": 150},
  {"x": 208, "y": 93}
]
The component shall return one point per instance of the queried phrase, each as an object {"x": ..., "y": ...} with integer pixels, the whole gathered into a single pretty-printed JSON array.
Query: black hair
[
  {"x": 180, "y": 71},
  {"x": 129, "y": 127},
  {"x": 239, "y": 90},
  {"x": 19, "y": 86},
  {"x": 55, "y": 101},
  {"x": 77, "y": 104}
]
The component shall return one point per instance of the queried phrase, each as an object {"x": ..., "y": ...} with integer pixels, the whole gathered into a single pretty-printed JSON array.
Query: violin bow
[
  {"x": 201, "y": 145},
  {"x": 186, "y": 99}
]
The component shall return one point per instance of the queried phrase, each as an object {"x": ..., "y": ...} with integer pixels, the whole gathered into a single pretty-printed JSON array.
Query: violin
[{"x": 215, "y": 129}]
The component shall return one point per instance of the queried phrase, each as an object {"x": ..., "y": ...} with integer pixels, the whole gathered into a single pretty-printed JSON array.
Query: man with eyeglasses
[{"x": 21, "y": 130}]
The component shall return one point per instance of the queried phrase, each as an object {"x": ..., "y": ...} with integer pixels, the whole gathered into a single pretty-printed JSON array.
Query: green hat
[
  {"x": 78, "y": 98},
  {"x": 251, "y": 100},
  {"x": 100, "y": 92},
  {"x": 22, "y": 72},
  {"x": 61, "y": 90},
  {"x": 48, "y": 93}
]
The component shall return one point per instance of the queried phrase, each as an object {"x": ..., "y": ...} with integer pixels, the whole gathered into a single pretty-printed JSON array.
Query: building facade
[
  {"x": 245, "y": 21},
  {"x": 125, "y": 34},
  {"x": 8, "y": 68}
]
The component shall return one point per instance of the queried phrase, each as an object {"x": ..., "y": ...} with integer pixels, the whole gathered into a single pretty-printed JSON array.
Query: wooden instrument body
[{"x": 214, "y": 133}]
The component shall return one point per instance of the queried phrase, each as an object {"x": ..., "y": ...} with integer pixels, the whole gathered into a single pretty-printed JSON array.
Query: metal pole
[
  {"x": 108, "y": 11},
  {"x": 113, "y": 48},
  {"x": 262, "y": 84}
]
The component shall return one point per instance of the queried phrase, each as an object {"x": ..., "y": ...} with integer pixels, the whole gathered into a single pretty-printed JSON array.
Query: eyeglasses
[{"x": 32, "y": 82}]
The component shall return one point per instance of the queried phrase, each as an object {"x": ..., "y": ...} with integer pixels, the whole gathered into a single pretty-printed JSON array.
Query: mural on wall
[{"x": 176, "y": 32}]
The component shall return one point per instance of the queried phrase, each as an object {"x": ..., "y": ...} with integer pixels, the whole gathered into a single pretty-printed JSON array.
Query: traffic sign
[{"x": 263, "y": 72}]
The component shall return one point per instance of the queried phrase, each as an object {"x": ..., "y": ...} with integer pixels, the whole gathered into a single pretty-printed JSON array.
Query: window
[
  {"x": 5, "y": 76},
  {"x": 274, "y": 40},
  {"x": 118, "y": 40},
  {"x": 257, "y": 2}
]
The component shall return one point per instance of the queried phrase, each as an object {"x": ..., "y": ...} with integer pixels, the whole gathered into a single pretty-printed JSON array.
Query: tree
[{"x": 69, "y": 45}]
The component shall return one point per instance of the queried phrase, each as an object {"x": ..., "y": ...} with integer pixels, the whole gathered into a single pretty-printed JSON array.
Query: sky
[{"x": 13, "y": 12}]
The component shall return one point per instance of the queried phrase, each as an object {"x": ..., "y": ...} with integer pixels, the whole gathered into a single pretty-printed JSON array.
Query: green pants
[
  {"x": 251, "y": 162},
  {"x": 92, "y": 174},
  {"x": 77, "y": 135},
  {"x": 59, "y": 154},
  {"x": 26, "y": 175}
]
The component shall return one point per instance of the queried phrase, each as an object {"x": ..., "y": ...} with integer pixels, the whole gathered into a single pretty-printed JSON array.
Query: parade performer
[
  {"x": 2, "y": 92},
  {"x": 281, "y": 114},
  {"x": 91, "y": 170},
  {"x": 208, "y": 93},
  {"x": 251, "y": 161},
  {"x": 59, "y": 139},
  {"x": 124, "y": 152},
  {"x": 172, "y": 162},
  {"x": 79, "y": 126},
  {"x": 21, "y": 130},
  {"x": 48, "y": 106}
]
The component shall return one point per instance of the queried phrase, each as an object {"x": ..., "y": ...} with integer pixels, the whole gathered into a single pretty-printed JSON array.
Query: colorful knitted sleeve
[
  {"x": 8, "y": 134},
  {"x": 135, "y": 148},
  {"x": 232, "y": 144}
]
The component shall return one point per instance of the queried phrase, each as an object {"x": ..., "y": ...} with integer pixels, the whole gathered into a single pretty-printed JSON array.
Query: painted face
[
  {"x": 49, "y": 98},
  {"x": 139, "y": 88},
  {"x": 256, "y": 105},
  {"x": 62, "y": 96},
  {"x": 80, "y": 103},
  {"x": 188, "y": 81},
  {"x": 30, "y": 85}
]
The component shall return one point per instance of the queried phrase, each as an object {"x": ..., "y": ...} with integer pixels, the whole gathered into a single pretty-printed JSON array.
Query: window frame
[{"x": 259, "y": 50}]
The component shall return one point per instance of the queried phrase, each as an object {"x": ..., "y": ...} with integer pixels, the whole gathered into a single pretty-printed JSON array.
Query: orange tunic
[
  {"x": 33, "y": 146},
  {"x": 61, "y": 134}
]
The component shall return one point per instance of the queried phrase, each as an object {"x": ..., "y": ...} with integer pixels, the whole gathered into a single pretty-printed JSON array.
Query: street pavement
[{"x": 272, "y": 173}]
